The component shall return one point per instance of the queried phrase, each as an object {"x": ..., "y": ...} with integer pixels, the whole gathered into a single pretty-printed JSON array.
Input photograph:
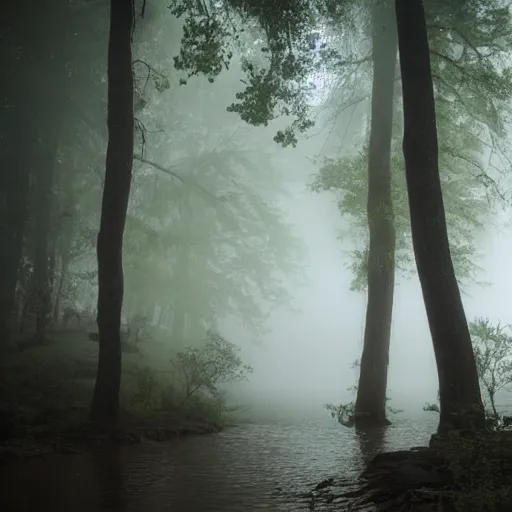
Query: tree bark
[
  {"x": 370, "y": 407},
  {"x": 460, "y": 398},
  {"x": 116, "y": 192}
]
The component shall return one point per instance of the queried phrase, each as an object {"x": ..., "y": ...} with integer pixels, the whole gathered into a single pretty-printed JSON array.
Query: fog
[
  {"x": 302, "y": 352},
  {"x": 306, "y": 360}
]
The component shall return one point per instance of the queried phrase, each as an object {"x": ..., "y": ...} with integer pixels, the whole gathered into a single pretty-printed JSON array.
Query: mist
[
  {"x": 306, "y": 358},
  {"x": 225, "y": 231}
]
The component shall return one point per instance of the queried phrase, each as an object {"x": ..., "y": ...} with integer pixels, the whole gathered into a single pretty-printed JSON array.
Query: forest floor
[
  {"x": 464, "y": 472},
  {"x": 46, "y": 391}
]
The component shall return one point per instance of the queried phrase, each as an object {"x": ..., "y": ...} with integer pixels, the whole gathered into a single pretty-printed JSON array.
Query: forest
[{"x": 150, "y": 157}]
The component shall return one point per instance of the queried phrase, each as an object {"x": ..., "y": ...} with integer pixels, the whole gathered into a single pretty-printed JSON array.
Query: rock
[{"x": 324, "y": 483}]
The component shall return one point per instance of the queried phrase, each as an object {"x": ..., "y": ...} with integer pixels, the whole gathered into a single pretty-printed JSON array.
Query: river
[{"x": 249, "y": 467}]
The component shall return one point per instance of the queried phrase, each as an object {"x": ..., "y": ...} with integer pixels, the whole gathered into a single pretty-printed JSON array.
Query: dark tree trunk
[
  {"x": 60, "y": 287},
  {"x": 460, "y": 399},
  {"x": 370, "y": 408},
  {"x": 116, "y": 192},
  {"x": 64, "y": 239},
  {"x": 42, "y": 208}
]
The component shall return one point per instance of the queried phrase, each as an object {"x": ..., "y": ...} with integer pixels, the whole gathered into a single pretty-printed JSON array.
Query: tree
[
  {"x": 493, "y": 354},
  {"x": 370, "y": 406},
  {"x": 116, "y": 192},
  {"x": 460, "y": 399}
]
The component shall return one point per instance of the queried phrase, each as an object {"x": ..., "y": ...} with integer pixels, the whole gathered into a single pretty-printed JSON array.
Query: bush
[
  {"x": 193, "y": 385},
  {"x": 492, "y": 347},
  {"x": 204, "y": 370}
]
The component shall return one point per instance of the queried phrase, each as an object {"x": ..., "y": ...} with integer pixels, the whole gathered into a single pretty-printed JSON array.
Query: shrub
[
  {"x": 193, "y": 385},
  {"x": 204, "y": 370},
  {"x": 492, "y": 347}
]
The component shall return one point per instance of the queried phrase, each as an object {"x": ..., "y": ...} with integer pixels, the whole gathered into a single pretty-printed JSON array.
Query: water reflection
[
  {"x": 251, "y": 467},
  {"x": 371, "y": 442},
  {"x": 108, "y": 470}
]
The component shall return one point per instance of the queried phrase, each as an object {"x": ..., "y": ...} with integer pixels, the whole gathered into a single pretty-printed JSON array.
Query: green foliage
[
  {"x": 431, "y": 407},
  {"x": 468, "y": 49},
  {"x": 147, "y": 394},
  {"x": 434, "y": 406},
  {"x": 492, "y": 346},
  {"x": 466, "y": 201},
  {"x": 193, "y": 383},
  {"x": 206, "y": 369},
  {"x": 277, "y": 74},
  {"x": 472, "y": 78},
  {"x": 342, "y": 413}
]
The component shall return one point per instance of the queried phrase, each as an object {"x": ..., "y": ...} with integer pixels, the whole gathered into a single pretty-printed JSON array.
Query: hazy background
[{"x": 306, "y": 357}]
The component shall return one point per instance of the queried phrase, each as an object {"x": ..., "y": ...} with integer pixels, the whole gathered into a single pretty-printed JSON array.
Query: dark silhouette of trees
[
  {"x": 460, "y": 399},
  {"x": 116, "y": 192},
  {"x": 32, "y": 98}
]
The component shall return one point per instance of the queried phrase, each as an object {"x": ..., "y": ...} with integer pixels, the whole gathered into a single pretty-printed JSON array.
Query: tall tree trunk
[
  {"x": 370, "y": 408},
  {"x": 64, "y": 266},
  {"x": 42, "y": 210},
  {"x": 116, "y": 193},
  {"x": 64, "y": 236},
  {"x": 460, "y": 399}
]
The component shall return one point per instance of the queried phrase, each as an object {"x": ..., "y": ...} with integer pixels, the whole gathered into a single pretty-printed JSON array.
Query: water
[{"x": 245, "y": 468}]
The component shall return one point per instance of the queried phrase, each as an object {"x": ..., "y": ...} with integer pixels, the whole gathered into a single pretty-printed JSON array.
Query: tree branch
[{"x": 174, "y": 174}]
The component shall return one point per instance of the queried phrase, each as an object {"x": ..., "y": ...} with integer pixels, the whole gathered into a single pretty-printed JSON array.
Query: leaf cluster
[{"x": 277, "y": 66}]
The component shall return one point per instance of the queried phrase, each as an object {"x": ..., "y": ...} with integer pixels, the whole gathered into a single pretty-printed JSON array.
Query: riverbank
[
  {"x": 45, "y": 393},
  {"x": 79, "y": 438},
  {"x": 464, "y": 472}
]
